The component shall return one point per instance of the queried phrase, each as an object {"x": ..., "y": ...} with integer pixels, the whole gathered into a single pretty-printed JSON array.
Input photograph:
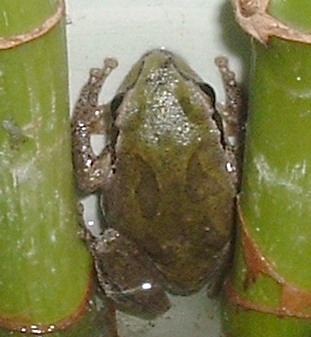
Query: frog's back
[{"x": 170, "y": 191}]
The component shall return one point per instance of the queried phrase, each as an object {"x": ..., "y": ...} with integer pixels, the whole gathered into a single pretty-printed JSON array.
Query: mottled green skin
[{"x": 170, "y": 190}]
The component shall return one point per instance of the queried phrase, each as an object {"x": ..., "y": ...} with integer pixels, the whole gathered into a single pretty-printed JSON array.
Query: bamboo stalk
[
  {"x": 46, "y": 279},
  {"x": 269, "y": 291}
]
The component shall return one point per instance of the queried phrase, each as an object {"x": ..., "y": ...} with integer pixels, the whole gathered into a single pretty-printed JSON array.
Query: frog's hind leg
[
  {"x": 90, "y": 118},
  {"x": 127, "y": 275}
]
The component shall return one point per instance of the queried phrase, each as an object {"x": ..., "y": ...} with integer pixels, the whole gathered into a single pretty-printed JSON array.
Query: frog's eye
[
  {"x": 209, "y": 91},
  {"x": 167, "y": 63},
  {"x": 115, "y": 103}
]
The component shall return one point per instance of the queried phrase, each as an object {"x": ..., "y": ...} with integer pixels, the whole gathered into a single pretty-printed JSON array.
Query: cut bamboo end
[
  {"x": 44, "y": 28},
  {"x": 253, "y": 17}
]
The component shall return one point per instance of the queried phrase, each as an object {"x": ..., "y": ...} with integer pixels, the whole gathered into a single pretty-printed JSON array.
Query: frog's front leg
[
  {"x": 232, "y": 116},
  {"x": 90, "y": 118}
]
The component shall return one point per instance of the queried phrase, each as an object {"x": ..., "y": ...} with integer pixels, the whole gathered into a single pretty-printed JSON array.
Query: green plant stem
[
  {"x": 275, "y": 209},
  {"x": 46, "y": 279}
]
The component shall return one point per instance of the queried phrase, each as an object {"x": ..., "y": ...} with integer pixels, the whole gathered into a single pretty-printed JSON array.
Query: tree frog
[{"x": 167, "y": 179}]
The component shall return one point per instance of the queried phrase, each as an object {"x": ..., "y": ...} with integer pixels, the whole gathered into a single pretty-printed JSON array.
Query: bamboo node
[
  {"x": 17, "y": 40},
  {"x": 294, "y": 301}
]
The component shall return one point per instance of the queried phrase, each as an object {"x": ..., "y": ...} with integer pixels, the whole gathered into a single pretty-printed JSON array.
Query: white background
[{"x": 198, "y": 30}]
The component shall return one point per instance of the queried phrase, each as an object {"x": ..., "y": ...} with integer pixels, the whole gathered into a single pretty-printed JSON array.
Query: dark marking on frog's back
[{"x": 147, "y": 191}]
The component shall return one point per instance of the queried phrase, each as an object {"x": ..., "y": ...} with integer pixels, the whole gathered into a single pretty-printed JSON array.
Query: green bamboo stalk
[
  {"x": 46, "y": 279},
  {"x": 269, "y": 291}
]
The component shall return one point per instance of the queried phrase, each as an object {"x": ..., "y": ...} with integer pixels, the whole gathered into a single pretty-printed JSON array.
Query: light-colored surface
[
  {"x": 126, "y": 29},
  {"x": 192, "y": 316}
]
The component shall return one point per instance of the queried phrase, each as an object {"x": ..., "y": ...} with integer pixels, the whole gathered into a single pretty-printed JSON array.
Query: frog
[{"x": 166, "y": 179}]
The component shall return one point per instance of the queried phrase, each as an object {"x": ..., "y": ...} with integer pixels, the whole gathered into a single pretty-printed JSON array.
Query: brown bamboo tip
[{"x": 253, "y": 17}]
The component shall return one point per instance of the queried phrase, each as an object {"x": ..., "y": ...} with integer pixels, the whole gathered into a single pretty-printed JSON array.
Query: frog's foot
[
  {"x": 87, "y": 108},
  {"x": 98, "y": 75},
  {"x": 128, "y": 276}
]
